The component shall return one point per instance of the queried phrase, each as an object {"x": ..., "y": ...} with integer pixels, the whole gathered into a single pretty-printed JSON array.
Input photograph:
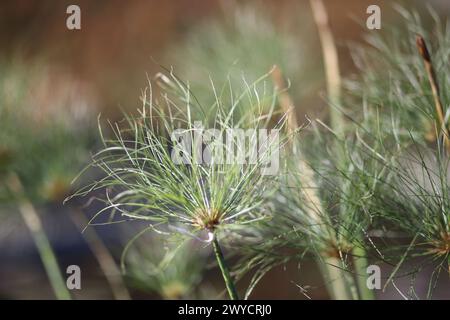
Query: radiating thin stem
[{"x": 224, "y": 269}]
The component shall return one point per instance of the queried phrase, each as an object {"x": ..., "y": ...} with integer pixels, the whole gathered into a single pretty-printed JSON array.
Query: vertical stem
[
  {"x": 425, "y": 54},
  {"x": 34, "y": 224},
  {"x": 331, "y": 62},
  {"x": 360, "y": 262},
  {"x": 332, "y": 70},
  {"x": 336, "y": 279},
  {"x": 103, "y": 256},
  {"x": 225, "y": 272},
  {"x": 338, "y": 283},
  {"x": 284, "y": 99}
]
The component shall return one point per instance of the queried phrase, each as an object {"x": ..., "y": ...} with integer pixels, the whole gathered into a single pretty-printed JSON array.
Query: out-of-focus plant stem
[
  {"x": 335, "y": 277},
  {"x": 103, "y": 257},
  {"x": 332, "y": 70},
  {"x": 331, "y": 63},
  {"x": 46, "y": 253},
  {"x": 361, "y": 263},
  {"x": 442, "y": 125}
]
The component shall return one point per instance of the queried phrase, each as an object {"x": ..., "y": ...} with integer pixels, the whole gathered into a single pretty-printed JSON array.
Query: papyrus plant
[
  {"x": 144, "y": 179},
  {"x": 221, "y": 49},
  {"x": 404, "y": 134},
  {"x": 313, "y": 215}
]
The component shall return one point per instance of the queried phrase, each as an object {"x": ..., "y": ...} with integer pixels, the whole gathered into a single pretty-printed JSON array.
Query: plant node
[
  {"x": 334, "y": 250},
  {"x": 208, "y": 219},
  {"x": 442, "y": 246}
]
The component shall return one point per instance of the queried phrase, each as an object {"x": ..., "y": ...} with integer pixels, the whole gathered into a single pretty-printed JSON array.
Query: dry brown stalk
[
  {"x": 331, "y": 62},
  {"x": 284, "y": 99},
  {"x": 335, "y": 275},
  {"x": 425, "y": 54}
]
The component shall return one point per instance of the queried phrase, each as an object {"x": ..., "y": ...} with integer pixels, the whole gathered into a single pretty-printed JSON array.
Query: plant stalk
[
  {"x": 46, "y": 253},
  {"x": 335, "y": 277},
  {"x": 332, "y": 71},
  {"x": 360, "y": 263},
  {"x": 224, "y": 269},
  {"x": 284, "y": 99},
  {"x": 425, "y": 54},
  {"x": 337, "y": 283},
  {"x": 331, "y": 63},
  {"x": 103, "y": 256}
]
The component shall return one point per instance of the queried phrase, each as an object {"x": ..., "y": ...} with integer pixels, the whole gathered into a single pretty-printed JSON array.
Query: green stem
[
  {"x": 48, "y": 257},
  {"x": 360, "y": 263},
  {"x": 338, "y": 282},
  {"x": 225, "y": 272}
]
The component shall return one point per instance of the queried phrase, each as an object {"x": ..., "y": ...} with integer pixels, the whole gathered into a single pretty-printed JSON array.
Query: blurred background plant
[
  {"x": 248, "y": 40},
  {"x": 173, "y": 269},
  {"x": 36, "y": 165},
  {"x": 37, "y": 126},
  {"x": 369, "y": 172},
  {"x": 403, "y": 93},
  {"x": 312, "y": 216},
  {"x": 403, "y": 144}
]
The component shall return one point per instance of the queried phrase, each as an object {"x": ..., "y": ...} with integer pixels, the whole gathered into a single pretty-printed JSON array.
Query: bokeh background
[{"x": 103, "y": 68}]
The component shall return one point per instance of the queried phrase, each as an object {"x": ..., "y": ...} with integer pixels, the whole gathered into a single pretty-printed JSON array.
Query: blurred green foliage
[
  {"x": 44, "y": 142},
  {"x": 244, "y": 45}
]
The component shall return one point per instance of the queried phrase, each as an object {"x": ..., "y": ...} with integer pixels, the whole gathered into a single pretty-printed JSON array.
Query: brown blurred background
[{"x": 120, "y": 41}]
